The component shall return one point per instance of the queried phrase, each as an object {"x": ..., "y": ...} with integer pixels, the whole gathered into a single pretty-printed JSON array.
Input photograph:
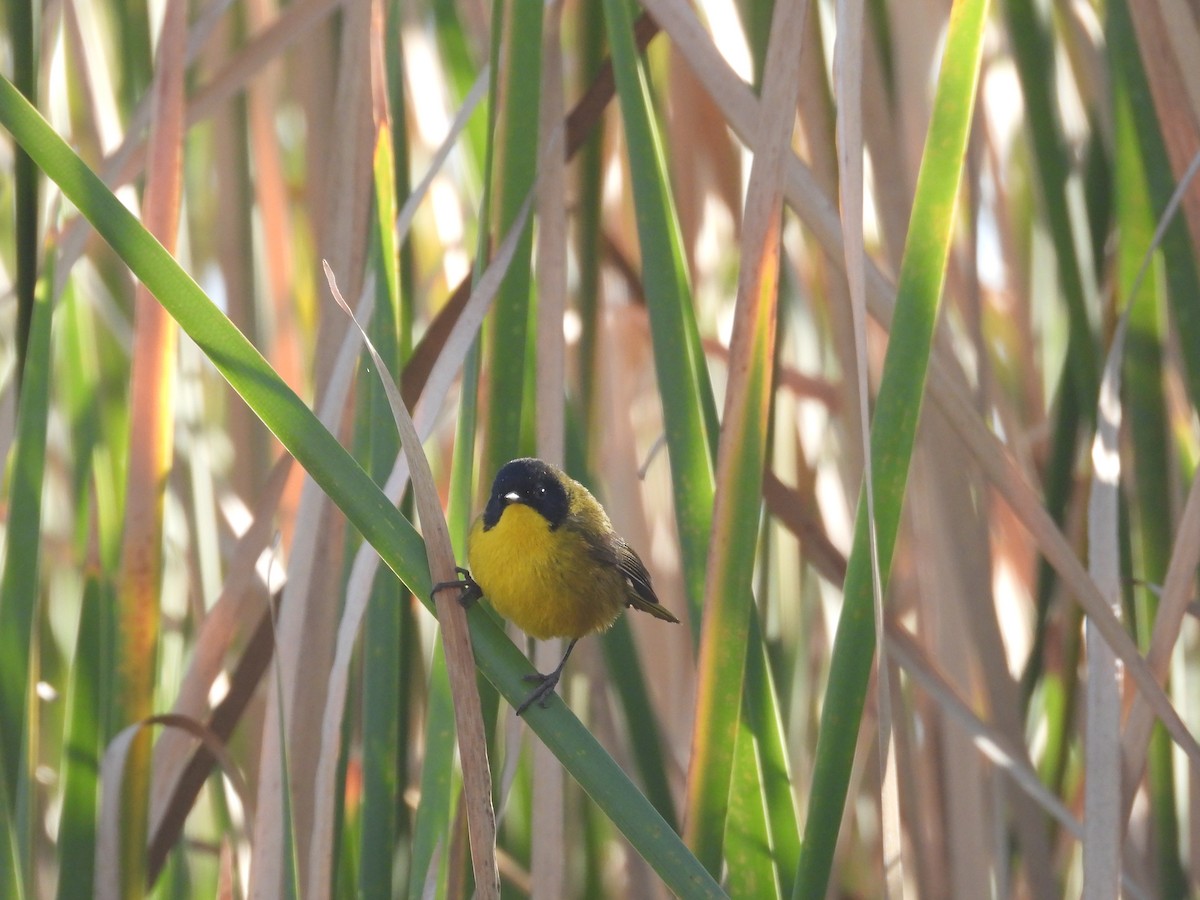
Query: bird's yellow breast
[{"x": 545, "y": 581}]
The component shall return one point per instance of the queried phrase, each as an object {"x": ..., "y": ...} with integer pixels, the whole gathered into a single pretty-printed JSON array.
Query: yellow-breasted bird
[{"x": 545, "y": 554}]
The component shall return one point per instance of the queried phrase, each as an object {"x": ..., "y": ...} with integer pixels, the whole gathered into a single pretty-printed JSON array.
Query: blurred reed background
[{"x": 210, "y": 685}]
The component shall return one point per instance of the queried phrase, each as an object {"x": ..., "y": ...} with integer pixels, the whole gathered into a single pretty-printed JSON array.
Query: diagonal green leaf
[
  {"x": 351, "y": 488},
  {"x": 23, "y": 44}
]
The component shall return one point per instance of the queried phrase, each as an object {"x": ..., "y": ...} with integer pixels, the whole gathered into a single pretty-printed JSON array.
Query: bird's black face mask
[{"x": 528, "y": 481}]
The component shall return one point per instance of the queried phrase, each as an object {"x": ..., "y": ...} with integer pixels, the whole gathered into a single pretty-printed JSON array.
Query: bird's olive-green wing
[
  {"x": 611, "y": 550},
  {"x": 641, "y": 593}
]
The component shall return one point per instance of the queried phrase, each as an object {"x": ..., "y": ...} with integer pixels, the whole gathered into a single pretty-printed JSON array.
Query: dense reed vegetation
[{"x": 875, "y": 326}]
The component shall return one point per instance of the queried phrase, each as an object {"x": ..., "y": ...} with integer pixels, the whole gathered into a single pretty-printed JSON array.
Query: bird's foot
[
  {"x": 542, "y": 693},
  {"x": 470, "y": 590}
]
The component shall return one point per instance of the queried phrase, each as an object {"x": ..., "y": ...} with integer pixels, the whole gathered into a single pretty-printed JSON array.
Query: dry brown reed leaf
[
  {"x": 847, "y": 73},
  {"x": 308, "y": 621},
  {"x": 1002, "y": 471},
  {"x": 552, "y": 246},
  {"x": 710, "y": 167},
  {"x": 293, "y": 23},
  {"x": 819, "y": 143},
  {"x": 268, "y": 842},
  {"x": 456, "y": 639},
  {"x": 798, "y": 513},
  {"x": 956, "y": 612},
  {"x": 1169, "y": 74},
  {"x": 342, "y": 221},
  {"x": 272, "y": 204},
  {"x": 151, "y": 444},
  {"x": 993, "y": 742},
  {"x": 945, "y": 387},
  {"x": 226, "y": 716},
  {"x": 964, "y": 522},
  {"x": 990, "y": 741},
  {"x": 117, "y": 758},
  {"x": 235, "y": 614},
  {"x": 937, "y": 585},
  {"x": 1102, "y": 839}
]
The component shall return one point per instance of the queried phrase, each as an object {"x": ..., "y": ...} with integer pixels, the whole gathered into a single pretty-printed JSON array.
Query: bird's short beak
[{"x": 512, "y": 496}]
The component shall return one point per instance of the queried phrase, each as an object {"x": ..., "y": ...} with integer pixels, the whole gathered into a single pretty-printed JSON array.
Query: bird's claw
[
  {"x": 540, "y": 694},
  {"x": 470, "y": 590}
]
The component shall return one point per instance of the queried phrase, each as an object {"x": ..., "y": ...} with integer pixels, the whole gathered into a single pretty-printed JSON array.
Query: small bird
[{"x": 545, "y": 554}]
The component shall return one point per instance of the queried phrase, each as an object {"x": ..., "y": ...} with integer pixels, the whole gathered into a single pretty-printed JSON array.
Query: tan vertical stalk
[
  {"x": 847, "y": 72},
  {"x": 307, "y": 626},
  {"x": 152, "y": 383},
  {"x": 263, "y": 97},
  {"x": 1102, "y": 748},
  {"x": 1168, "y": 85},
  {"x": 549, "y": 850}
]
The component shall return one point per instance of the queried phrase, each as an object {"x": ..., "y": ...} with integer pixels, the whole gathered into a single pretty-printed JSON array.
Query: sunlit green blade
[
  {"x": 893, "y": 432},
  {"x": 1146, "y": 409},
  {"x": 682, "y": 378},
  {"x": 761, "y": 708},
  {"x": 747, "y": 841},
  {"x": 514, "y": 166}
]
